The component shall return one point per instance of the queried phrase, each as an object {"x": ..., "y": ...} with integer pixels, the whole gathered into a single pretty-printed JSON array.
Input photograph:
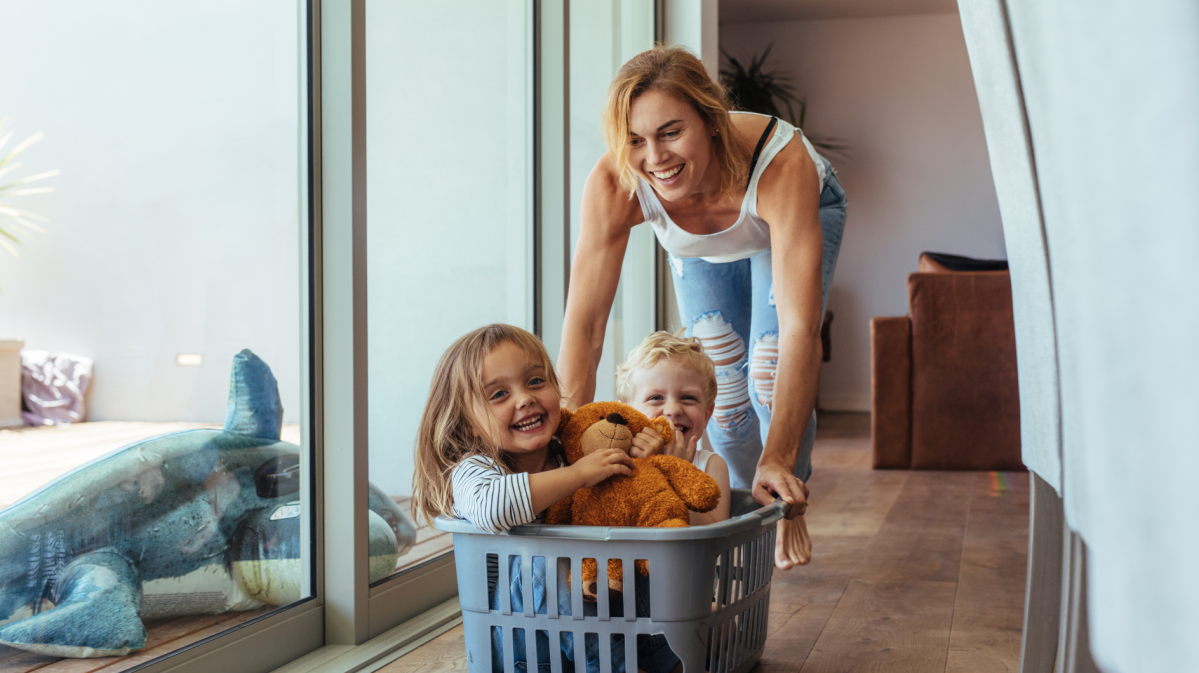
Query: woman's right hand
[{"x": 599, "y": 465}]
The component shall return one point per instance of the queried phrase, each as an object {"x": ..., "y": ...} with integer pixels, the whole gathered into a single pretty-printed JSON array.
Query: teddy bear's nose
[{"x": 617, "y": 419}]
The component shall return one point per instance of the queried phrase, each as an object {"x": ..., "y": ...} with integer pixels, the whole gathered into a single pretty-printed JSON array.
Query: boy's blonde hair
[
  {"x": 449, "y": 430},
  {"x": 660, "y": 345}
]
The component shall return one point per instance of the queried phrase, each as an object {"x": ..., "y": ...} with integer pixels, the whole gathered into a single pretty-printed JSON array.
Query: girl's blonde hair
[
  {"x": 664, "y": 345},
  {"x": 449, "y": 428},
  {"x": 675, "y": 71}
]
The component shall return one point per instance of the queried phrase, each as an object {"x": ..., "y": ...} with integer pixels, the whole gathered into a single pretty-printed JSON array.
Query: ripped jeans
[{"x": 729, "y": 305}]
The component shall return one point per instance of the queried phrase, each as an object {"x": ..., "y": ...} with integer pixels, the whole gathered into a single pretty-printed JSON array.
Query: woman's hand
[
  {"x": 597, "y": 466},
  {"x": 773, "y": 480}
]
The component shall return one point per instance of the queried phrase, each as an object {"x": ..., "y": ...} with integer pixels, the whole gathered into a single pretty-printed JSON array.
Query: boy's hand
[
  {"x": 682, "y": 447},
  {"x": 647, "y": 443},
  {"x": 599, "y": 465}
]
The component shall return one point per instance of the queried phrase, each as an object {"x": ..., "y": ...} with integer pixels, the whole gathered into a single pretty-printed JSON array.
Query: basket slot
[
  {"x": 757, "y": 563},
  {"x": 540, "y": 578},
  {"x": 751, "y": 566},
  {"x": 491, "y": 579},
  {"x": 558, "y": 659},
  {"x": 601, "y": 590},
  {"x": 551, "y": 585},
  {"x": 508, "y": 653},
  {"x": 736, "y": 623},
  {"x": 576, "y": 589},
  {"x": 591, "y": 641},
  {"x": 630, "y": 588},
  {"x": 722, "y": 592},
  {"x": 525, "y": 568},
  {"x": 618, "y": 642}
]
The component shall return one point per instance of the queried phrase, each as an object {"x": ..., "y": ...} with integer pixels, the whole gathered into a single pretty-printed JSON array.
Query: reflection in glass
[
  {"x": 449, "y": 190},
  {"x": 173, "y": 243}
]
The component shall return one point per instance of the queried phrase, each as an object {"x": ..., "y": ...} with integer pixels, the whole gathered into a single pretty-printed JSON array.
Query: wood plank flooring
[{"x": 911, "y": 571}]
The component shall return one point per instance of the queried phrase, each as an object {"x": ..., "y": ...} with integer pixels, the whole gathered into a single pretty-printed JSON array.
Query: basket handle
[{"x": 743, "y": 503}]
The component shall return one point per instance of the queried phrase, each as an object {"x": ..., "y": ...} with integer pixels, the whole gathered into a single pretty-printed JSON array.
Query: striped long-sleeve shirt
[{"x": 490, "y": 498}]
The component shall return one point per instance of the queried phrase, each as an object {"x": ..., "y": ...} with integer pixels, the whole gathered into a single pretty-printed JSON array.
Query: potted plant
[
  {"x": 14, "y": 225},
  {"x": 754, "y": 88}
]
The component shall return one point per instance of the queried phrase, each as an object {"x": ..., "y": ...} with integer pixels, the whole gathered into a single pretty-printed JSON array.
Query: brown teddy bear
[{"x": 658, "y": 494}]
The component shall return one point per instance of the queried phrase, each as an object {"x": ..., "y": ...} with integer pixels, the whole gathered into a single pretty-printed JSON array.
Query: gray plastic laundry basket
[{"x": 704, "y": 582}]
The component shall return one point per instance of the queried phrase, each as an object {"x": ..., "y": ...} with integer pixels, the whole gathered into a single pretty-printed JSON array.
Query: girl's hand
[
  {"x": 647, "y": 443},
  {"x": 599, "y": 465}
]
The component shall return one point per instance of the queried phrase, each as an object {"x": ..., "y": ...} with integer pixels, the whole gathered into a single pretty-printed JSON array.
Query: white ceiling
[{"x": 754, "y": 11}]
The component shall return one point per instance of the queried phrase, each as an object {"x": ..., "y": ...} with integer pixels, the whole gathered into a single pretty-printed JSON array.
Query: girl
[{"x": 486, "y": 453}]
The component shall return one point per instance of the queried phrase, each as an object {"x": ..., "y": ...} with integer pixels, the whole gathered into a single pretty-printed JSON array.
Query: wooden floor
[{"x": 911, "y": 571}]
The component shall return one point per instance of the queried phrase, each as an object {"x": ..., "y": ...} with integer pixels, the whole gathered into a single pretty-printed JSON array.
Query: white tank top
[{"x": 750, "y": 234}]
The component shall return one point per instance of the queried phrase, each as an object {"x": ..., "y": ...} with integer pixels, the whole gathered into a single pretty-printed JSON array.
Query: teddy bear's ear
[
  {"x": 664, "y": 428},
  {"x": 566, "y": 414}
]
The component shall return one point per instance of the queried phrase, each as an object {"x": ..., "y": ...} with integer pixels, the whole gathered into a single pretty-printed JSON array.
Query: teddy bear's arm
[
  {"x": 697, "y": 490},
  {"x": 559, "y": 513}
]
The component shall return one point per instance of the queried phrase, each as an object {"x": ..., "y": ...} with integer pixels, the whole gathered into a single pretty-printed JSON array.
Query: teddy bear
[{"x": 659, "y": 493}]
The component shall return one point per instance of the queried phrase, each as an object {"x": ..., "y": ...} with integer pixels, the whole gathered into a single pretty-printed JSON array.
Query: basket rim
[{"x": 763, "y": 516}]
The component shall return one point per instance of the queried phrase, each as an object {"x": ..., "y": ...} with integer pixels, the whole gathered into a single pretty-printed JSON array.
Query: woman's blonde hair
[
  {"x": 450, "y": 430},
  {"x": 675, "y": 71},
  {"x": 664, "y": 345}
]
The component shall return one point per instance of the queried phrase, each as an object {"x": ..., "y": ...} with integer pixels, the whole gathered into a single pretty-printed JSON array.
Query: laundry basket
[{"x": 707, "y": 585}]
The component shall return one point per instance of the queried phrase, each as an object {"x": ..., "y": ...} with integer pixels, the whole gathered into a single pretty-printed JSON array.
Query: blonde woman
[{"x": 752, "y": 218}]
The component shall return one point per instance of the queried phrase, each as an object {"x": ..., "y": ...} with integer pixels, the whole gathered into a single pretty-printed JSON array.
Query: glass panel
[
  {"x": 449, "y": 104},
  {"x": 603, "y": 35},
  {"x": 154, "y": 498}
]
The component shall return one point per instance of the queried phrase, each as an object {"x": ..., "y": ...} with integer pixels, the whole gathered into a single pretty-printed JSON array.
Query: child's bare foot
[{"x": 793, "y": 546}]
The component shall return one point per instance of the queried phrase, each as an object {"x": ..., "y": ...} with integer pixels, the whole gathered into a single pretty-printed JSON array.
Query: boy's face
[{"x": 673, "y": 390}]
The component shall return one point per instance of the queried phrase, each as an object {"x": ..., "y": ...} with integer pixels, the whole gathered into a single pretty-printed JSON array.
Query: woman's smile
[{"x": 668, "y": 176}]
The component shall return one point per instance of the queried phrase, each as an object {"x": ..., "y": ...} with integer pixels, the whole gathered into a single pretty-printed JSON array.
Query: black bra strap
[{"x": 758, "y": 150}]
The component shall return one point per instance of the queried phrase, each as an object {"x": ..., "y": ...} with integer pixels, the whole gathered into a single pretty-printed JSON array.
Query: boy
[{"x": 671, "y": 376}]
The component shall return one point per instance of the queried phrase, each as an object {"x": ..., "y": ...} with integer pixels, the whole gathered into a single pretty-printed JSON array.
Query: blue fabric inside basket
[{"x": 653, "y": 653}]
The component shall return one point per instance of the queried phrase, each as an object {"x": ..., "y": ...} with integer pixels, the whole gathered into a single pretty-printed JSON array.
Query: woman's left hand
[{"x": 772, "y": 480}]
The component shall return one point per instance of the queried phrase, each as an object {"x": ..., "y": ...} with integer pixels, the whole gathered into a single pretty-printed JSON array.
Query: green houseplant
[
  {"x": 14, "y": 222},
  {"x": 754, "y": 88}
]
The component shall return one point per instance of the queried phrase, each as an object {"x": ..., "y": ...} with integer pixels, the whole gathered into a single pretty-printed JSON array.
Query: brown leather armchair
[{"x": 944, "y": 392}]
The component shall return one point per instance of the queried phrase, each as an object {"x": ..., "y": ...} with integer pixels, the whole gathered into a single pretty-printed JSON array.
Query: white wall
[
  {"x": 174, "y": 225},
  {"x": 900, "y": 90}
]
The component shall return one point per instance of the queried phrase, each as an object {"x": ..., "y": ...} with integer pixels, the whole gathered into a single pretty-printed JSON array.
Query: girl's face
[
  {"x": 670, "y": 146},
  {"x": 523, "y": 406},
  {"x": 673, "y": 390}
]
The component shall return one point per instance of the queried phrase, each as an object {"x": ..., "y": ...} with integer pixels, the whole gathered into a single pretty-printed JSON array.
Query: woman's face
[{"x": 670, "y": 146}]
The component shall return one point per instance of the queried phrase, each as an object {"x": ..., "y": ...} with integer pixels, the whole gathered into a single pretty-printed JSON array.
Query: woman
[{"x": 727, "y": 195}]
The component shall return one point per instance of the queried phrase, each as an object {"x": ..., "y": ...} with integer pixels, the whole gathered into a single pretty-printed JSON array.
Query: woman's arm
[
  {"x": 789, "y": 199},
  {"x": 607, "y": 216}
]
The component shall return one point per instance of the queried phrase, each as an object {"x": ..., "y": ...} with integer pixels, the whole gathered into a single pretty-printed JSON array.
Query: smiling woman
[{"x": 723, "y": 193}]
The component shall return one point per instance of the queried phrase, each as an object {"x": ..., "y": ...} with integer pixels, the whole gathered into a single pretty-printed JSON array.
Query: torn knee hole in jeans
[
  {"x": 763, "y": 368},
  {"x": 727, "y": 350}
]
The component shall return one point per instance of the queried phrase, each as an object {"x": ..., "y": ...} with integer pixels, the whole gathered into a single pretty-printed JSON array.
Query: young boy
[{"x": 671, "y": 376}]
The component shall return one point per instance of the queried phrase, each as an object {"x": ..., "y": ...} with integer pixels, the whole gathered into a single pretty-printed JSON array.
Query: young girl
[{"x": 486, "y": 453}]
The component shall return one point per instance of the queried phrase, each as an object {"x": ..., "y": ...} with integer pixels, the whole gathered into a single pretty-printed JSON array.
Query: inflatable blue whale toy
[{"x": 194, "y": 522}]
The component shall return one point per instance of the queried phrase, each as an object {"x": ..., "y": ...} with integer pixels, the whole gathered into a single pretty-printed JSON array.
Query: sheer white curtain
[{"x": 1111, "y": 92}]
